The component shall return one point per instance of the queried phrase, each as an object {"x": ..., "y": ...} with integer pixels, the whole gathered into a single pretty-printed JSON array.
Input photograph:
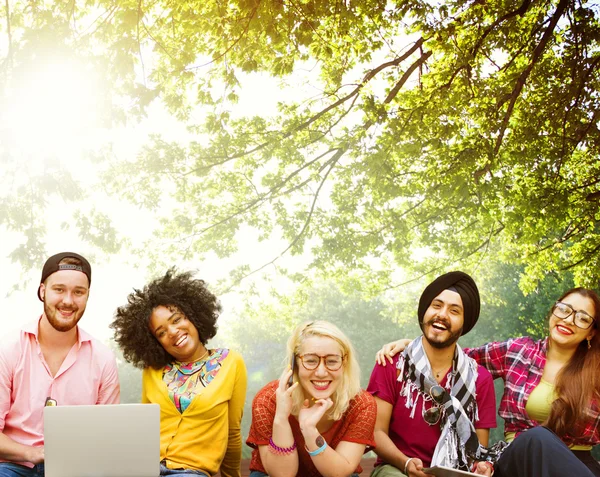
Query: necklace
[
  {"x": 203, "y": 356},
  {"x": 191, "y": 367},
  {"x": 440, "y": 372}
]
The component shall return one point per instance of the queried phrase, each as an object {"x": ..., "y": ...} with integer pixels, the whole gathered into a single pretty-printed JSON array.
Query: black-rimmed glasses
[
  {"x": 581, "y": 319},
  {"x": 433, "y": 415},
  {"x": 311, "y": 361}
]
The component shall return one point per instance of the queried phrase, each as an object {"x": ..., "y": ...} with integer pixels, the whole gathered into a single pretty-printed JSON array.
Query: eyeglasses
[
  {"x": 433, "y": 415},
  {"x": 564, "y": 310},
  {"x": 310, "y": 361}
]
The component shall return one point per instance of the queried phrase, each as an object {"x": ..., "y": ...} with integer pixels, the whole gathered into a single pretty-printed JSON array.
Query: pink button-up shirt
[{"x": 88, "y": 375}]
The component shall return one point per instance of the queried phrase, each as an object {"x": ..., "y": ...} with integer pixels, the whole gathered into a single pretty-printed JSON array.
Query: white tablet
[{"x": 441, "y": 471}]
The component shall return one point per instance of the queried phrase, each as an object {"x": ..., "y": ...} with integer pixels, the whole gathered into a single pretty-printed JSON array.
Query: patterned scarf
[
  {"x": 185, "y": 380},
  {"x": 459, "y": 408}
]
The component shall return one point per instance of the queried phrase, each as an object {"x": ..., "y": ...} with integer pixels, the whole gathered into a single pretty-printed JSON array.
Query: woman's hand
[
  {"x": 283, "y": 395},
  {"x": 309, "y": 417},
  {"x": 389, "y": 350}
]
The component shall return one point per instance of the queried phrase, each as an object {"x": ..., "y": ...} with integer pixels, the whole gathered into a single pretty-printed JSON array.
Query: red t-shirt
[
  {"x": 356, "y": 425},
  {"x": 413, "y": 436}
]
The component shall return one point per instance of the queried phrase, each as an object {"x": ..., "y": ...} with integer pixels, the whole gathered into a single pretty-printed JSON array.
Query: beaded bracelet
[{"x": 275, "y": 449}]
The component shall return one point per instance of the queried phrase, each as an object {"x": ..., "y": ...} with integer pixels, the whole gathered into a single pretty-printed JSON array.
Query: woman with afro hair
[{"x": 164, "y": 329}]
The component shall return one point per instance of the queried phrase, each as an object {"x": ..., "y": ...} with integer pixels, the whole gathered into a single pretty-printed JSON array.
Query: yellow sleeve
[
  {"x": 231, "y": 465},
  {"x": 145, "y": 380}
]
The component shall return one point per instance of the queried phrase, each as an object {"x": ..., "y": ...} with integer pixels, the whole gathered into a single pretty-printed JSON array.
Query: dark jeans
[
  {"x": 166, "y": 471},
  {"x": 9, "y": 469},
  {"x": 15, "y": 470},
  {"x": 539, "y": 452},
  {"x": 591, "y": 463}
]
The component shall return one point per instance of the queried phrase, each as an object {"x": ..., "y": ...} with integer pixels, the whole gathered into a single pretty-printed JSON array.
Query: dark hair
[
  {"x": 578, "y": 382},
  {"x": 179, "y": 290}
]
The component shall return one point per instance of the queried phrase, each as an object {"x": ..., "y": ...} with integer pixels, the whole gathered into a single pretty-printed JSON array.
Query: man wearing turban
[{"x": 435, "y": 405}]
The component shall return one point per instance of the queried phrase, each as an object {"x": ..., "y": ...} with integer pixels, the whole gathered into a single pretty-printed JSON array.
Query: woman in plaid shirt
[{"x": 554, "y": 382}]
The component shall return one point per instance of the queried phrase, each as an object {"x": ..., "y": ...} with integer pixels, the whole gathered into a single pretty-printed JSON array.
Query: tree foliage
[{"x": 448, "y": 128}]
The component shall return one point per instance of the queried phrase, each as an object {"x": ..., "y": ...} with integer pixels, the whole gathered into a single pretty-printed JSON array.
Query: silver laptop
[{"x": 121, "y": 440}]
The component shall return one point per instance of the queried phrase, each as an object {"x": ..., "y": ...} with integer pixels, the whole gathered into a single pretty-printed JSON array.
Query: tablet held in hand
[{"x": 441, "y": 471}]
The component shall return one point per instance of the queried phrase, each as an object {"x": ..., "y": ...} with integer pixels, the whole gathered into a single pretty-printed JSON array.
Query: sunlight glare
[{"x": 52, "y": 111}]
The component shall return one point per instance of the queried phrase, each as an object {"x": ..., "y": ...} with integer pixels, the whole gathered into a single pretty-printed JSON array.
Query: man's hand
[
  {"x": 415, "y": 468},
  {"x": 483, "y": 468},
  {"x": 35, "y": 455}
]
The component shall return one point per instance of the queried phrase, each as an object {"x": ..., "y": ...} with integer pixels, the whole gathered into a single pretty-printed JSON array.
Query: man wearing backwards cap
[
  {"x": 51, "y": 362},
  {"x": 435, "y": 405}
]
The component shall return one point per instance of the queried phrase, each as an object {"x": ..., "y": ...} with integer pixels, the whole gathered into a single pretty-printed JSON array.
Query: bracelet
[
  {"x": 317, "y": 451},
  {"x": 281, "y": 450},
  {"x": 406, "y": 465}
]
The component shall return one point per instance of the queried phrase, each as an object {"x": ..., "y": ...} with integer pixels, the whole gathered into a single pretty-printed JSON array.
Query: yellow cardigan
[{"x": 207, "y": 435}]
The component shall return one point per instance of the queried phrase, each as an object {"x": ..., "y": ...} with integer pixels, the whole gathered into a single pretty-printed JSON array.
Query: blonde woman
[{"x": 315, "y": 420}]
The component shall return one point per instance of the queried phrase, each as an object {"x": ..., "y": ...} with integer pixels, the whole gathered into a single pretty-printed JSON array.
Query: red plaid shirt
[{"x": 520, "y": 363}]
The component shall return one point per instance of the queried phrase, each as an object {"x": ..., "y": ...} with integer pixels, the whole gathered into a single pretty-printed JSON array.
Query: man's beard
[
  {"x": 452, "y": 338},
  {"x": 59, "y": 325}
]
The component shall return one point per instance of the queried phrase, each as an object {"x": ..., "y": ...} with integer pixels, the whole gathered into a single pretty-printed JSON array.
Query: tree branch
[
  {"x": 270, "y": 194},
  {"x": 458, "y": 260},
  {"x": 230, "y": 47},
  {"x": 519, "y": 11},
  {"x": 334, "y": 161},
  {"x": 109, "y": 14},
  {"x": 539, "y": 49},
  {"x": 394, "y": 91},
  {"x": 8, "y": 33},
  {"x": 368, "y": 76},
  {"x": 587, "y": 256},
  {"x": 308, "y": 22},
  {"x": 137, "y": 28}
]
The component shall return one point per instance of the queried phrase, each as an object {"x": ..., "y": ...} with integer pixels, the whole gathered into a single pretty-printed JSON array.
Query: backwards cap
[{"x": 52, "y": 266}]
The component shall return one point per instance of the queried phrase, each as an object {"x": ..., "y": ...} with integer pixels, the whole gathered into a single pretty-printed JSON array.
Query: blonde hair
[{"x": 349, "y": 385}]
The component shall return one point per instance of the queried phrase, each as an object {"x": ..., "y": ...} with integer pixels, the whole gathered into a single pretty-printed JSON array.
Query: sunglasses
[
  {"x": 433, "y": 415},
  {"x": 50, "y": 402}
]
